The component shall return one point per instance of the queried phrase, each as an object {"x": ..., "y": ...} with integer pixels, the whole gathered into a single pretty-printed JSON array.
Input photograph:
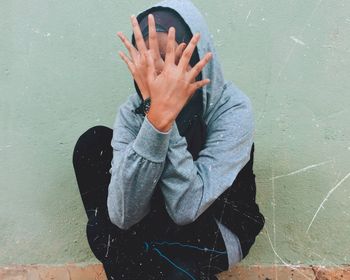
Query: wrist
[
  {"x": 160, "y": 122},
  {"x": 146, "y": 105}
]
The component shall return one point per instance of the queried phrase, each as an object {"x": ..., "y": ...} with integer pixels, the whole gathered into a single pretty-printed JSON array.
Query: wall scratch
[
  {"x": 329, "y": 193},
  {"x": 283, "y": 261},
  {"x": 301, "y": 170},
  {"x": 274, "y": 216},
  {"x": 287, "y": 59}
]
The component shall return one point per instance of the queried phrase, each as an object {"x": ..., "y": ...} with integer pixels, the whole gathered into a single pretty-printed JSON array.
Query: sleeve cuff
[
  {"x": 174, "y": 134},
  {"x": 151, "y": 143}
]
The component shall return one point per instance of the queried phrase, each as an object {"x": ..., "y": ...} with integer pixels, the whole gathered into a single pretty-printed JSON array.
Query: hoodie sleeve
[
  {"x": 190, "y": 187},
  {"x": 139, "y": 152}
]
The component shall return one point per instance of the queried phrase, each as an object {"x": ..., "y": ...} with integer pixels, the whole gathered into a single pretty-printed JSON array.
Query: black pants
[{"x": 154, "y": 248}]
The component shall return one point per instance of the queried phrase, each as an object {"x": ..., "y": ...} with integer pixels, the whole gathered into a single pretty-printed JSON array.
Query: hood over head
[{"x": 191, "y": 16}]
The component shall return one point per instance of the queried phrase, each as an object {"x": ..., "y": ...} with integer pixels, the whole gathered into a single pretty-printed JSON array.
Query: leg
[
  {"x": 193, "y": 251},
  {"x": 92, "y": 161},
  {"x": 237, "y": 209},
  {"x": 143, "y": 251}
]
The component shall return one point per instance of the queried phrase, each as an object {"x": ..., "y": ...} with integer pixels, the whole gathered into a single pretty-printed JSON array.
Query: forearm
[
  {"x": 191, "y": 186},
  {"x": 135, "y": 171}
]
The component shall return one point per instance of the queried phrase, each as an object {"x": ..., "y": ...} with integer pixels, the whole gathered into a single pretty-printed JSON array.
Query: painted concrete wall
[{"x": 60, "y": 74}]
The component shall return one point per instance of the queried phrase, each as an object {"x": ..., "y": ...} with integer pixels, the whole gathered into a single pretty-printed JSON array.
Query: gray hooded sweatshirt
[{"x": 144, "y": 156}]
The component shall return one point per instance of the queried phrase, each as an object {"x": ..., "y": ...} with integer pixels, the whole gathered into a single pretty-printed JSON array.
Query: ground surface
[{"x": 95, "y": 272}]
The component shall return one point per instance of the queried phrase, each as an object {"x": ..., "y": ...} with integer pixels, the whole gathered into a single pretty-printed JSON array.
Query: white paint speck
[
  {"x": 248, "y": 15},
  {"x": 296, "y": 40}
]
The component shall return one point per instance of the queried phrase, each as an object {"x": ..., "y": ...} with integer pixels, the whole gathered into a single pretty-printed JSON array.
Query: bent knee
[{"x": 91, "y": 141}]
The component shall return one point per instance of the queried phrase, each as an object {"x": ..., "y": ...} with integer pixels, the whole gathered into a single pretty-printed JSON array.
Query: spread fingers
[
  {"x": 194, "y": 72},
  {"x": 127, "y": 44},
  {"x": 140, "y": 43}
]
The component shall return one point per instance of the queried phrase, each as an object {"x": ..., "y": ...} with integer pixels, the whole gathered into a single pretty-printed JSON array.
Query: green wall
[{"x": 60, "y": 74}]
